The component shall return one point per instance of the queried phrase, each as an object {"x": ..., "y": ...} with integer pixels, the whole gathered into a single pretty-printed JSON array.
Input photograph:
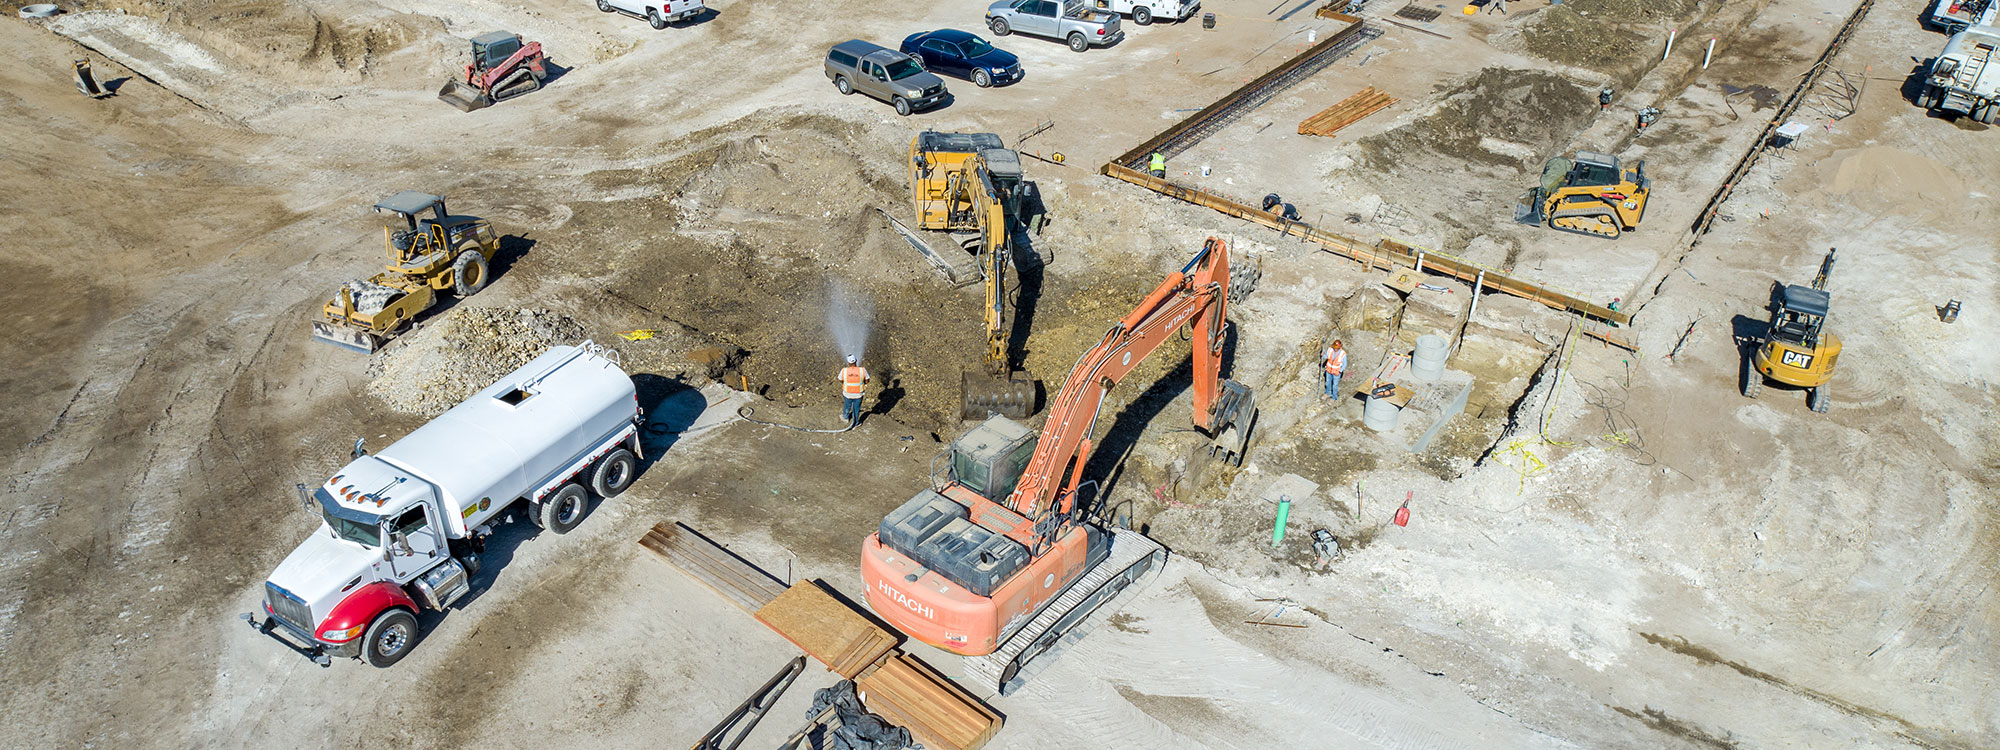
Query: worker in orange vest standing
[
  {"x": 1336, "y": 365},
  {"x": 853, "y": 378}
]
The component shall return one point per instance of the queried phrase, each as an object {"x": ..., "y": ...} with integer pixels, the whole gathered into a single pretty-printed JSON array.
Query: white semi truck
[
  {"x": 1965, "y": 77},
  {"x": 401, "y": 530}
]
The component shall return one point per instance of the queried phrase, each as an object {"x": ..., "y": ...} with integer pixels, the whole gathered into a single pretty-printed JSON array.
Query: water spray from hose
[{"x": 850, "y": 317}]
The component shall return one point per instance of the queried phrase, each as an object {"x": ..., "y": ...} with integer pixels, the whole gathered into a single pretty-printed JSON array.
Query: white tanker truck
[{"x": 401, "y": 530}]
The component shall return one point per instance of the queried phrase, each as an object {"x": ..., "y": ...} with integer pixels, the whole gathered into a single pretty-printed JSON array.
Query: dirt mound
[
  {"x": 462, "y": 351},
  {"x": 1513, "y": 111},
  {"x": 1880, "y": 172},
  {"x": 1606, "y": 35}
]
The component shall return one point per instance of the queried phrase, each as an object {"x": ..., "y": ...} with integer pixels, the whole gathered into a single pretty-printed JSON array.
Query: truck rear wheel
[
  {"x": 1078, "y": 42},
  {"x": 564, "y": 510},
  {"x": 1142, "y": 15},
  {"x": 653, "y": 17},
  {"x": 389, "y": 638},
  {"x": 614, "y": 474}
]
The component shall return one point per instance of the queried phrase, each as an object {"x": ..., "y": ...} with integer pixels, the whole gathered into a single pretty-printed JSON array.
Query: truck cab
[{"x": 1964, "y": 78}]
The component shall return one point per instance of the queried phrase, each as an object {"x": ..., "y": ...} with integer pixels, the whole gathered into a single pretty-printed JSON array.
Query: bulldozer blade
[
  {"x": 984, "y": 395},
  {"x": 466, "y": 98},
  {"x": 345, "y": 338}
]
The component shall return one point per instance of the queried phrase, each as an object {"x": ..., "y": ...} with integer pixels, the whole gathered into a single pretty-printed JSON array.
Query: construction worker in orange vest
[
  {"x": 1336, "y": 365},
  {"x": 853, "y": 378}
]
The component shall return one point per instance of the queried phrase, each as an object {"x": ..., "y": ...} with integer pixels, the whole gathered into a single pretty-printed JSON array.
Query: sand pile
[
  {"x": 1904, "y": 178},
  {"x": 462, "y": 351}
]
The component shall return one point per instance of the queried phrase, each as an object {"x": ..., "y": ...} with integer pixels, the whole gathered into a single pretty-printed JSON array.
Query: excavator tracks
[{"x": 1132, "y": 557}]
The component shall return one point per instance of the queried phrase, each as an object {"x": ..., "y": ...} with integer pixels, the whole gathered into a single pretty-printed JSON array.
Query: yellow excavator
[
  {"x": 969, "y": 187},
  {"x": 1795, "y": 348},
  {"x": 432, "y": 254},
  {"x": 1588, "y": 193}
]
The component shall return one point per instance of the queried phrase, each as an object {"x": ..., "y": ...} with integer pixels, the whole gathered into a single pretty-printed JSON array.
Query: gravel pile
[{"x": 462, "y": 351}]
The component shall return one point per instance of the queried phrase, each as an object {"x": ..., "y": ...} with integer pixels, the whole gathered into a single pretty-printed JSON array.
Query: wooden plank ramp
[
  {"x": 827, "y": 629},
  {"x": 1351, "y": 110},
  {"x": 743, "y": 584}
]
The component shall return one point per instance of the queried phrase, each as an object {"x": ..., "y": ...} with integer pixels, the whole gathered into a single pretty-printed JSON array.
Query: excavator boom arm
[{"x": 1197, "y": 294}]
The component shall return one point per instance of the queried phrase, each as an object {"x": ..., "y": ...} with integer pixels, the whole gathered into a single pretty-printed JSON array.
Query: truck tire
[
  {"x": 653, "y": 17},
  {"x": 902, "y": 106},
  {"x": 1078, "y": 42},
  {"x": 565, "y": 509},
  {"x": 841, "y": 85},
  {"x": 1928, "y": 98},
  {"x": 603, "y": 6},
  {"x": 999, "y": 27},
  {"x": 981, "y": 78},
  {"x": 614, "y": 473},
  {"x": 1142, "y": 15},
  {"x": 468, "y": 273},
  {"x": 388, "y": 639}
]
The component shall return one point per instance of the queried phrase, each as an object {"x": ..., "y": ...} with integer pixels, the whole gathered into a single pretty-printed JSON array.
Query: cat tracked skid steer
[
  {"x": 1588, "y": 193},
  {"x": 1795, "y": 348},
  {"x": 502, "y": 67},
  {"x": 429, "y": 255}
]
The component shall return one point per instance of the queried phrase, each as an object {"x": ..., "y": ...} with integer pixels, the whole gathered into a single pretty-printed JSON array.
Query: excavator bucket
[
  {"x": 464, "y": 96},
  {"x": 345, "y": 337},
  {"x": 985, "y": 395}
]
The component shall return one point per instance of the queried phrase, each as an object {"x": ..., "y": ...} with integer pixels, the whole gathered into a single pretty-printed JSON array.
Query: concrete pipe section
[{"x": 39, "y": 10}]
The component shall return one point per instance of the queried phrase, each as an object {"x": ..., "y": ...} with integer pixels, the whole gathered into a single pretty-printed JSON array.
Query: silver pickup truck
[{"x": 1072, "y": 21}]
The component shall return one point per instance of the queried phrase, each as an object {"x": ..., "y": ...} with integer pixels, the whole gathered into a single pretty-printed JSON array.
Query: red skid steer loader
[{"x": 502, "y": 68}]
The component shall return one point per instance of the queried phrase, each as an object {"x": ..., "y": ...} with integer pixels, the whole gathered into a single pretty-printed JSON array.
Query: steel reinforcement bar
[
  {"x": 1384, "y": 255},
  {"x": 1703, "y": 221},
  {"x": 1215, "y": 116}
]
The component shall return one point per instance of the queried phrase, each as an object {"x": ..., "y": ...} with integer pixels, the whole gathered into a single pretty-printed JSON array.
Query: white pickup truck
[
  {"x": 1072, "y": 21},
  {"x": 401, "y": 530},
  {"x": 1145, "y": 11},
  {"x": 1965, "y": 77},
  {"x": 659, "y": 13}
]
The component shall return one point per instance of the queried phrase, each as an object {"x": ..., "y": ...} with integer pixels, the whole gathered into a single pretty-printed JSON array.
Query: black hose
[{"x": 744, "y": 412}]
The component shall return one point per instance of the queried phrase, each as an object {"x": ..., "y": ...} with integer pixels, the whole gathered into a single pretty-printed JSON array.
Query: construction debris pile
[{"x": 462, "y": 351}]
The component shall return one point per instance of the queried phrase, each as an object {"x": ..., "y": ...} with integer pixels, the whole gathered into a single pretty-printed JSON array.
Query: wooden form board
[
  {"x": 744, "y": 585},
  {"x": 826, "y": 629},
  {"x": 1385, "y": 255},
  {"x": 1363, "y": 103},
  {"x": 938, "y": 712}
]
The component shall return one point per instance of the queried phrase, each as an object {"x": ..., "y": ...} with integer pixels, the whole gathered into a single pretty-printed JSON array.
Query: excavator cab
[
  {"x": 1588, "y": 193},
  {"x": 1795, "y": 348},
  {"x": 989, "y": 458}
]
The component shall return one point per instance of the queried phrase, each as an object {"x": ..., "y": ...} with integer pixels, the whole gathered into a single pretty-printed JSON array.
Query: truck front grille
[{"x": 288, "y": 607}]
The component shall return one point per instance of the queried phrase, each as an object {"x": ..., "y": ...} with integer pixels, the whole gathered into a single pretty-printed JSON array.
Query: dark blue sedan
[{"x": 958, "y": 53}]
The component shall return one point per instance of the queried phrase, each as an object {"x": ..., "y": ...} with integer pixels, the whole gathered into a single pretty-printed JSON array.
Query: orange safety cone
[{"x": 1403, "y": 513}]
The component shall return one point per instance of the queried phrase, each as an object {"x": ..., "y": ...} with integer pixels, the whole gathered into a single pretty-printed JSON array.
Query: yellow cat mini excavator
[
  {"x": 1795, "y": 348},
  {"x": 1588, "y": 193}
]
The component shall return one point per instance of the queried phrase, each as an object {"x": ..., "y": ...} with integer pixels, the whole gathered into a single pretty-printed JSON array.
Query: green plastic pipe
[{"x": 1284, "y": 512}]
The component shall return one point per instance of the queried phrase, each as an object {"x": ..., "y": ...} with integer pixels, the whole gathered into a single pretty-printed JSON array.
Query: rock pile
[{"x": 462, "y": 351}]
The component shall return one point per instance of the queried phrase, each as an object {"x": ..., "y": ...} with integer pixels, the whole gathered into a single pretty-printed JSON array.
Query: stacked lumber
[
  {"x": 744, "y": 585},
  {"x": 938, "y": 712},
  {"x": 1363, "y": 103}
]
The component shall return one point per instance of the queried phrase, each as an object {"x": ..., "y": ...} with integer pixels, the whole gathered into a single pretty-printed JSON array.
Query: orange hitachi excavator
[{"x": 996, "y": 561}]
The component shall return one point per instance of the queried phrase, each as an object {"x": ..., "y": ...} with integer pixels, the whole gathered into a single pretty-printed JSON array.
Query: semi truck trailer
[{"x": 401, "y": 530}]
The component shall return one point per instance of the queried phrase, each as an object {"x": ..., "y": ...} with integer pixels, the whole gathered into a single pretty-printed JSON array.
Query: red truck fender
[{"x": 350, "y": 618}]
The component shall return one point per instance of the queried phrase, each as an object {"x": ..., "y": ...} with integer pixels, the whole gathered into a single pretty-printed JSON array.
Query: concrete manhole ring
[{"x": 39, "y": 10}]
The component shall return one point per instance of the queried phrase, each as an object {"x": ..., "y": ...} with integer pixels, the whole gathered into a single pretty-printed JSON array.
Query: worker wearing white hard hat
[{"x": 853, "y": 380}]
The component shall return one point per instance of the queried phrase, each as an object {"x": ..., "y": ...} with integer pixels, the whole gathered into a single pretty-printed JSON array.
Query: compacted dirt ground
[{"x": 1609, "y": 548}]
